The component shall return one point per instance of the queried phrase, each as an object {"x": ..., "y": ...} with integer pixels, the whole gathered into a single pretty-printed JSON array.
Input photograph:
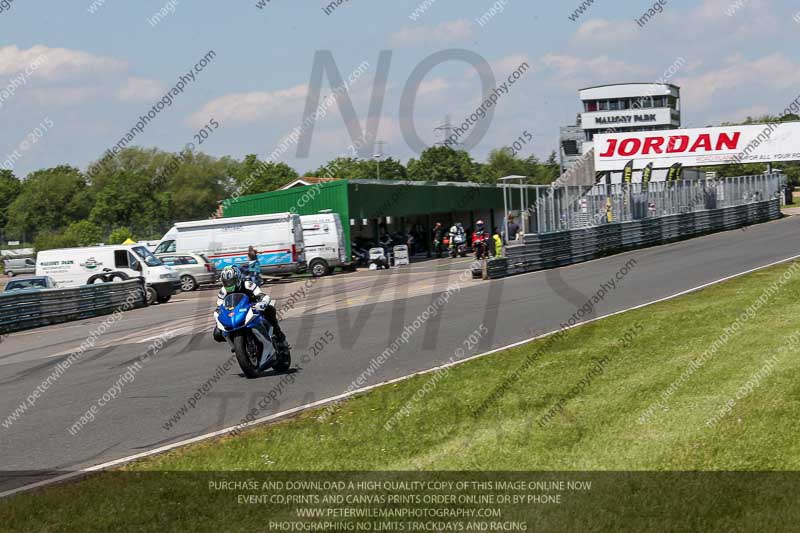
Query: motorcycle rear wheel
[{"x": 248, "y": 361}]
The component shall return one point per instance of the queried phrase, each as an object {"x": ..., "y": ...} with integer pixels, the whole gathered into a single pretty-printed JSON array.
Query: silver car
[
  {"x": 12, "y": 267},
  {"x": 194, "y": 269}
]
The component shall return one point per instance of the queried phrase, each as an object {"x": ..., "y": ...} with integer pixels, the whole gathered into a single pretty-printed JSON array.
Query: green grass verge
[{"x": 599, "y": 429}]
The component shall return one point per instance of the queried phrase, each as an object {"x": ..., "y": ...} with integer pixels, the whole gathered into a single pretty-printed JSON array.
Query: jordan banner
[{"x": 697, "y": 147}]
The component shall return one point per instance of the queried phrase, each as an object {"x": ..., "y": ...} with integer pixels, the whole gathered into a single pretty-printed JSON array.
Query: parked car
[
  {"x": 12, "y": 267},
  {"x": 194, "y": 269},
  {"x": 36, "y": 283}
]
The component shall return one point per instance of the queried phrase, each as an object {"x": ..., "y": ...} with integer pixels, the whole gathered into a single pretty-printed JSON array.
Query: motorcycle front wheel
[{"x": 247, "y": 354}]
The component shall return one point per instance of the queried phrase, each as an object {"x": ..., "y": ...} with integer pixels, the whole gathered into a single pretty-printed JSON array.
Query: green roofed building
[{"x": 368, "y": 208}]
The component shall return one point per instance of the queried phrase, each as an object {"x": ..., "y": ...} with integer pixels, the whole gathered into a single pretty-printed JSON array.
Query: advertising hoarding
[{"x": 695, "y": 147}]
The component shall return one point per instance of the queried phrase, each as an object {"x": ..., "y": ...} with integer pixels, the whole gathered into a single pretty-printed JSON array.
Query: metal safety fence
[
  {"x": 549, "y": 250},
  {"x": 545, "y": 209},
  {"x": 26, "y": 309}
]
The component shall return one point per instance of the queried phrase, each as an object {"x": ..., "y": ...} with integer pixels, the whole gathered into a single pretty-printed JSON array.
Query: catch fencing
[
  {"x": 26, "y": 309},
  {"x": 546, "y": 209},
  {"x": 566, "y": 227}
]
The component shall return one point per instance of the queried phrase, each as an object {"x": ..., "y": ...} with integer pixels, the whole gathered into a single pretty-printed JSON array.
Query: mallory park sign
[{"x": 625, "y": 119}]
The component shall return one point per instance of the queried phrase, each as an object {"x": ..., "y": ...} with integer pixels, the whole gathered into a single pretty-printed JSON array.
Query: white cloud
[
  {"x": 509, "y": 64},
  {"x": 254, "y": 106},
  {"x": 599, "y": 67},
  {"x": 722, "y": 9},
  {"x": 738, "y": 75},
  {"x": 739, "y": 17},
  {"x": 54, "y": 63},
  {"x": 65, "y": 96},
  {"x": 503, "y": 66},
  {"x": 140, "y": 89},
  {"x": 432, "y": 87},
  {"x": 446, "y": 32},
  {"x": 712, "y": 9},
  {"x": 607, "y": 32},
  {"x": 337, "y": 140}
]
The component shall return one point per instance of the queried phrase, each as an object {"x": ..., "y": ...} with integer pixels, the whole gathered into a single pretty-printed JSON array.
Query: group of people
[{"x": 483, "y": 243}]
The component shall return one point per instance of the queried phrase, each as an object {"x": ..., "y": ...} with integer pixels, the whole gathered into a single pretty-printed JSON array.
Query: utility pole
[
  {"x": 447, "y": 130},
  {"x": 378, "y": 154}
]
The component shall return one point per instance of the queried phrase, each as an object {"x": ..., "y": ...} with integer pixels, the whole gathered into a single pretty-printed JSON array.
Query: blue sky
[{"x": 102, "y": 70}]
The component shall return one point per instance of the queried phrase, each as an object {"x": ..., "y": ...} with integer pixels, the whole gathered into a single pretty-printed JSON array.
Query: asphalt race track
[{"x": 362, "y": 312}]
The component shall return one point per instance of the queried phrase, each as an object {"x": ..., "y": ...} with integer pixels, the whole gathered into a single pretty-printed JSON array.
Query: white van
[
  {"x": 72, "y": 267},
  {"x": 278, "y": 239},
  {"x": 324, "y": 239}
]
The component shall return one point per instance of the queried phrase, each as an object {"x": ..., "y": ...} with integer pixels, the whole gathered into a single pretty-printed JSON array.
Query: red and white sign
[{"x": 698, "y": 147}]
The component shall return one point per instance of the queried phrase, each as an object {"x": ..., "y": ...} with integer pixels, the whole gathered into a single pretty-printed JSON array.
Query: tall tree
[
  {"x": 352, "y": 168},
  {"x": 502, "y": 162},
  {"x": 128, "y": 198},
  {"x": 442, "y": 163},
  {"x": 146, "y": 190},
  {"x": 197, "y": 185},
  {"x": 10, "y": 188},
  {"x": 341, "y": 167},
  {"x": 49, "y": 200},
  {"x": 253, "y": 176},
  {"x": 390, "y": 169},
  {"x": 549, "y": 171}
]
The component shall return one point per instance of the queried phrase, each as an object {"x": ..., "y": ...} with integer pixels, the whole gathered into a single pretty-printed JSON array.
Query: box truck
[
  {"x": 72, "y": 267},
  {"x": 278, "y": 239}
]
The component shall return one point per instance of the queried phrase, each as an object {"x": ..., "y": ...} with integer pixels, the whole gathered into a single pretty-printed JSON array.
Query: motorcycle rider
[
  {"x": 480, "y": 241},
  {"x": 457, "y": 236},
  {"x": 233, "y": 281}
]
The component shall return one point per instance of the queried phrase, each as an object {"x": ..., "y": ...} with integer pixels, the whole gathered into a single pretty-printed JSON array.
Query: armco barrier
[
  {"x": 549, "y": 250},
  {"x": 497, "y": 267},
  {"x": 30, "y": 309}
]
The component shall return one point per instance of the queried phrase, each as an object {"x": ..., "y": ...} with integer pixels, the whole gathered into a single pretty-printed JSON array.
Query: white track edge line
[{"x": 259, "y": 421}]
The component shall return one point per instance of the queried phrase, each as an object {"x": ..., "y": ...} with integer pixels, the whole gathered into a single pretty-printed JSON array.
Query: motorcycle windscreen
[{"x": 233, "y": 311}]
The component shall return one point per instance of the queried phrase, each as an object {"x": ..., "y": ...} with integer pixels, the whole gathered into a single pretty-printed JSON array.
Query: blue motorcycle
[{"x": 250, "y": 336}]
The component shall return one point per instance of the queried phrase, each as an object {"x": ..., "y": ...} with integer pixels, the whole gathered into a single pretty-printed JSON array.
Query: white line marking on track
[{"x": 294, "y": 410}]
